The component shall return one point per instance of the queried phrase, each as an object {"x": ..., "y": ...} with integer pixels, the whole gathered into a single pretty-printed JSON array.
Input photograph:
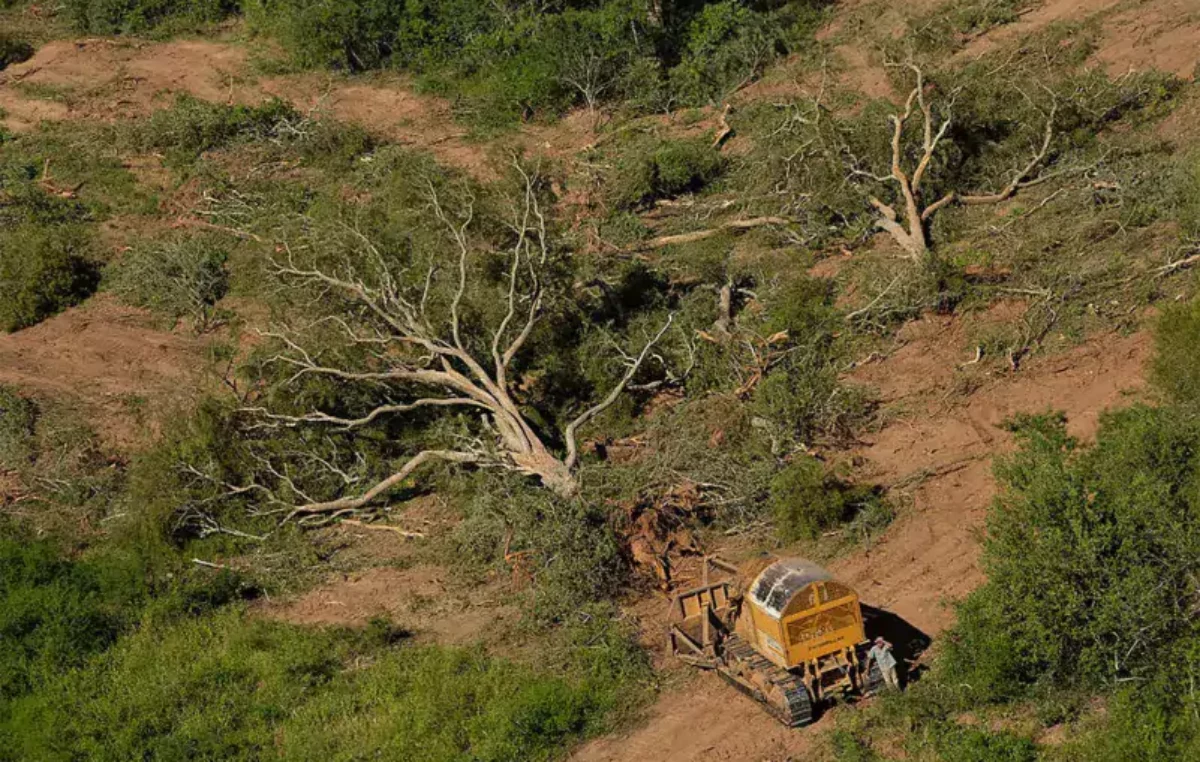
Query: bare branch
[
  {"x": 385, "y": 486},
  {"x": 371, "y": 417},
  {"x": 613, "y": 395}
]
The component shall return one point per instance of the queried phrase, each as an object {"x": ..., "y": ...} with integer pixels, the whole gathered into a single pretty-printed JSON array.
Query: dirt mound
[
  {"x": 117, "y": 79},
  {"x": 109, "y": 359},
  {"x": 111, "y": 79},
  {"x": 940, "y": 456},
  {"x": 1163, "y": 35}
]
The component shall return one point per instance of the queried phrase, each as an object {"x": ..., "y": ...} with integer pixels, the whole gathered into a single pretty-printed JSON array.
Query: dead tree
[
  {"x": 424, "y": 360},
  {"x": 909, "y": 226}
]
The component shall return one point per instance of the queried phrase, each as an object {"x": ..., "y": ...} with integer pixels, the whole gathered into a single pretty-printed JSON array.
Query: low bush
[
  {"x": 141, "y": 16},
  {"x": 504, "y": 62},
  {"x": 43, "y": 270},
  {"x": 662, "y": 169},
  {"x": 13, "y": 50},
  {"x": 228, "y": 686},
  {"x": 192, "y": 126},
  {"x": 806, "y": 499},
  {"x": 181, "y": 278},
  {"x": 728, "y": 46},
  {"x": 54, "y": 613},
  {"x": 1176, "y": 364},
  {"x": 18, "y": 417}
]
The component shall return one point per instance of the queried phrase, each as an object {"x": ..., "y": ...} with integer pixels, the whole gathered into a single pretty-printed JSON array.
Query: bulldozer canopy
[{"x": 777, "y": 584}]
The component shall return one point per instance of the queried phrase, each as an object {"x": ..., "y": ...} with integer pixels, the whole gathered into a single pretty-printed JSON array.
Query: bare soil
[{"x": 109, "y": 359}]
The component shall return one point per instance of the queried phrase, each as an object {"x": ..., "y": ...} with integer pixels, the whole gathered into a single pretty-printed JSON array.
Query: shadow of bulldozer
[{"x": 908, "y": 642}]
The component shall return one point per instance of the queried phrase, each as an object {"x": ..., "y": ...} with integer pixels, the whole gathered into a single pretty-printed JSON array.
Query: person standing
[{"x": 881, "y": 654}]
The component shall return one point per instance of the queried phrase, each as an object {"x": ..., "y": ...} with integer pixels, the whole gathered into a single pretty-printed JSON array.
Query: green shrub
[
  {"x": 959, "y": 744},
  {"x": 234, "y": 687},
  {"x": 182, "y": 278},
  {"x": 1089, "y": 554},
  {"x": 43, "y": 270},
  {"x": 193, "y": 126},
  {"x": 13, "y": 50},
  {"x": 54, "y": 613},
  {"x": 355, "y": 35},
  {"x": 728, "y": 46},
  {"x": 1175, "y": 368},
  {"x": 663, "y": 169},
  {"x": 140, "y": 16},
  {"x": 18, "y": 417},
  {"x": 571, "y": 551},
  {"x": 1188, "y": 192},
  {"x": 806, "y": 500}
]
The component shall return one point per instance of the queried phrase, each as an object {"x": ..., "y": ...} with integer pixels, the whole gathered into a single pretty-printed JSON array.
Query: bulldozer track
[{"x": 795, "y": 709}]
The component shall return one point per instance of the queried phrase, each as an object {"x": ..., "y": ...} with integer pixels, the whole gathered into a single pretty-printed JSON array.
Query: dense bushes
[
  {"x": 18, "y": 416},
  {"x": 1176, "y": 364},
  {"x": 515, "y": 60},
  {"x": 42, "y": 271},
  {"x": 141, "y": 16},
  {"x": 1089, "y": 554},
  {"x": 225, "y": 686},
  {"x": 13, "y": 50},
  {"x": 183, "y": 278},
  {"x": 806, "y": 500},
  {"x": 655, "y": 169},
  {"x": 192, "y": 126}
]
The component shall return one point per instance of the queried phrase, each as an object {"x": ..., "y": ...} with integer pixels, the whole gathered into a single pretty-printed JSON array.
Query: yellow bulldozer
[{"x": 792, "y": 638}]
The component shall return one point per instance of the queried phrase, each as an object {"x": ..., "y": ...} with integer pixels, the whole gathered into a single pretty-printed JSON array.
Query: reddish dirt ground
[{"x": 109, "y": 359}]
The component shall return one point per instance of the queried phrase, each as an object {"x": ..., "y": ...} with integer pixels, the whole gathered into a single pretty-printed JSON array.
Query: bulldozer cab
[{"x": 797, "y": 614}]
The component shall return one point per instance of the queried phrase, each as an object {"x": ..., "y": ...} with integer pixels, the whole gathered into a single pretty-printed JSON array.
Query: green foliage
[
  {"x": 43, "y": 270},
  {"x": 443, "y": 704},
  {"x": 1147, "y": 721},
  {"x": 193, "y": 126},
  {"x": 1187, "y": 182},
  {"x": 516, "y": 60},
  {"x": 1089, "y": 555},
  {"x": 142, "y": 16},
  {"x": 806, "y": 500},
  {"x": 18, "y": 417},
  {"x": 728, "y": 46},
  {"x": 978, "y": 745},
  {"x": 233, "y": 687},
  {"x": 1176, "y": 365},
  {"x": 182, "y": 278},
  {"x": 54, "y": 613},
  {"x": 656, "y": 169},
  {"x": 13, "y": 50},
  {"x": 569, "y": 549},
  {"x": 955, "y": 24}
]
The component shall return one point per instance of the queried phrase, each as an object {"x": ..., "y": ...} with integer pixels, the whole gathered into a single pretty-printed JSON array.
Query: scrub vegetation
[{"x": 589, "y": 362}]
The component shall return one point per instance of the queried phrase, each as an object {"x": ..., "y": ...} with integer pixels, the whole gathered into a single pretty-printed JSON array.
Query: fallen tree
[{"x": 421, "y": 354}]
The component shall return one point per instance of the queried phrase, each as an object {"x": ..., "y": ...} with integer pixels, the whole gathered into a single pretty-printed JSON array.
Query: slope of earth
[
  {"x": 937, "y": 451},
  {"x": 109, "y": 360},
  {"x": 107, "y": 79}
]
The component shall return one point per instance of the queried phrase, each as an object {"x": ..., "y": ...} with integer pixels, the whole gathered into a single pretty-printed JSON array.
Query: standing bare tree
[
  {"x": 909, "y": 226},
  {"x": 424, "y": 355}
]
